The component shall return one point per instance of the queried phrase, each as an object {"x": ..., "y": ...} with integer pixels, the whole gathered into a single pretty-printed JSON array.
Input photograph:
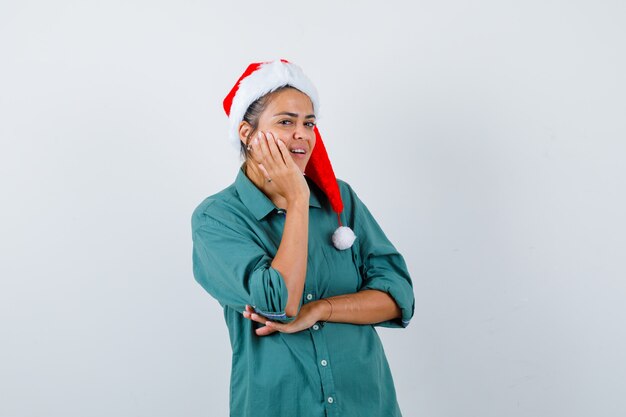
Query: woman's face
[{"x": 289, "y": 116}]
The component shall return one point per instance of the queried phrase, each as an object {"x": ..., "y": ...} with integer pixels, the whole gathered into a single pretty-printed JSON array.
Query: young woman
[{"x": 301, "y": 300}]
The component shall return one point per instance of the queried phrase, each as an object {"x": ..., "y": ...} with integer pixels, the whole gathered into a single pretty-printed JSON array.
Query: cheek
[{"x": 263, "y": 126}]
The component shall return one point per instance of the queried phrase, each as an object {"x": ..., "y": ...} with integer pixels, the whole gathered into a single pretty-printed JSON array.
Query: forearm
[
  {"x": 291, "y": 256},
  {"x": 363, "y": 307}
]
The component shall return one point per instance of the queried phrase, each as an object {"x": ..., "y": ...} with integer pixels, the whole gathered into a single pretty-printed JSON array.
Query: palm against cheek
[{"x": 283, "y": 176}]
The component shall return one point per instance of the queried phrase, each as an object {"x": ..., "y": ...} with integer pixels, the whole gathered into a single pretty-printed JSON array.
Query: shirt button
[
  {"x": 323, "y": 362},
  {"x": 330, "y": 400},
  {"x": 316, "y": 327},
  {"x": 309, "y": 297}
]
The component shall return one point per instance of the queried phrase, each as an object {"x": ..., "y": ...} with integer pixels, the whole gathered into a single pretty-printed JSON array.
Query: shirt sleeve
[
  {"x": 382, "y": 267},
  {"x": 236, "y": 270}
]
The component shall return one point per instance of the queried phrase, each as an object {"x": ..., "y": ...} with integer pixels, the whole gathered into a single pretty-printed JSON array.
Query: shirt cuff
[
  {"x": 269, "y": 294},
  {"x": 274, "y": 316},
  {"x": 402, "y": 294}
]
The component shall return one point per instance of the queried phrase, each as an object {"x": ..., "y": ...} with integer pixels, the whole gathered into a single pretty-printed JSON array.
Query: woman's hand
[
  {"x": 274, "y": 163},
  {"x": 309, "y": 314}
]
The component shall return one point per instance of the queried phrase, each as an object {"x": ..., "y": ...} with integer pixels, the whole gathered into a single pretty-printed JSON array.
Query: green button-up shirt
[{"x": 331, "y": 369}]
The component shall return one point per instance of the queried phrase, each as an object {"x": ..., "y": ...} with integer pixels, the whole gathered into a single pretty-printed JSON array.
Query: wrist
[
  {"x": 324, "y": 310},
  {"x": 299, "y": 202}
]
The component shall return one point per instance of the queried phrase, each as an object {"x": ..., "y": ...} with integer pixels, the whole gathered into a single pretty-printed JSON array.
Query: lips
[{"x": 298, "y": 150}]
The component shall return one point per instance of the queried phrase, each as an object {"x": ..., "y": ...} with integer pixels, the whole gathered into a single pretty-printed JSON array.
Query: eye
[
  {"x": 284, "y": 122},
  {"x": 310, "y": 124}
]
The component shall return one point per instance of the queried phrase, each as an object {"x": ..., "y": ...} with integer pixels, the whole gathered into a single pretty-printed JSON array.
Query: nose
[{"x": 300, "y": 132}]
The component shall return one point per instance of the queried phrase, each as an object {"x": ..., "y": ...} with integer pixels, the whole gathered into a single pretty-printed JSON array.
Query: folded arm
[
  {"x": 363, "y": 307},
  {"x": 385, "y": 297}
]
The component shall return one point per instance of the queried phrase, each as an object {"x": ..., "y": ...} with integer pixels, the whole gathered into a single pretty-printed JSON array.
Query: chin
[{"x": 301, "y": 165}]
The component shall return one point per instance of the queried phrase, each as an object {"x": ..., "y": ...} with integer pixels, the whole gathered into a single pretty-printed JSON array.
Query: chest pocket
[{"x": 343, "y": 266}]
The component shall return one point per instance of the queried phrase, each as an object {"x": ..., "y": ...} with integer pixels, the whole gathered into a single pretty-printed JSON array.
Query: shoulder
[
  {"x": 353, "y": 206},
  {"x": 215, "y": 207},
  {"x": 348, "y": 194},
  {"x": 345, "y": 188}
]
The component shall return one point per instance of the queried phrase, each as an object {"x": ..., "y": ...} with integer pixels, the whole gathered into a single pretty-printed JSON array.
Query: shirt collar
[{"x": 257, "y": 202}]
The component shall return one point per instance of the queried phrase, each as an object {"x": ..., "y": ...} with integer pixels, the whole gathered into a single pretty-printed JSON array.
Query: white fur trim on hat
[{"x": 269, "y": 77}]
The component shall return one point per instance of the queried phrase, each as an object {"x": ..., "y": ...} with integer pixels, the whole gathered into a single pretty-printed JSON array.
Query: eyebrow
[{"x": 286, "y": 113}]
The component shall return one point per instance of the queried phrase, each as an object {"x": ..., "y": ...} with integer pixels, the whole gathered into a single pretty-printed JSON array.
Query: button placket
[{"x": 325, "y": 369}]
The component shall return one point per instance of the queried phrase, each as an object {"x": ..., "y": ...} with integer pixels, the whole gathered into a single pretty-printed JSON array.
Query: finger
[
  {"x": 264, "y": 171},
  {"x": 284, "y": 152},
  {"x": 263, "y": 150},
  {"x": 268, "y": 155},
  {"x": 273, "y": 147},
  {"x": 258, "y": 318},
  {"x": 255, "y": 170},
  {"x": 264, "y": 331},
  {"x": 278, "y": 327},
  {"x": 251, "y": 314},
  {"x": 247, "y": 313}
]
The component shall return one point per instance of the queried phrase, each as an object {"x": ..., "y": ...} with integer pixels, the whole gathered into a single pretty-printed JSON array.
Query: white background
[{"x": 487, "y": 138}]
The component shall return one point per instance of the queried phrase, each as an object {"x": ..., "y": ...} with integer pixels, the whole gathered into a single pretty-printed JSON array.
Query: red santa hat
[{"x": 262, "y": 78}]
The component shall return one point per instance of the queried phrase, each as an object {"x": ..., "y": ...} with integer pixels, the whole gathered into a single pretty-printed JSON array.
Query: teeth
[{"x": 298, "y": 151}]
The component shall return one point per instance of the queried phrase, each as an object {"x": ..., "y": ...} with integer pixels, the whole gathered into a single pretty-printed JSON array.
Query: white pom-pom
[{"x": 343, "y": 237}]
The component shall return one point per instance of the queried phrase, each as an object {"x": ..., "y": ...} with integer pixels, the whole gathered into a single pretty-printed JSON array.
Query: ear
[{"x": 244, "y": 131}]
